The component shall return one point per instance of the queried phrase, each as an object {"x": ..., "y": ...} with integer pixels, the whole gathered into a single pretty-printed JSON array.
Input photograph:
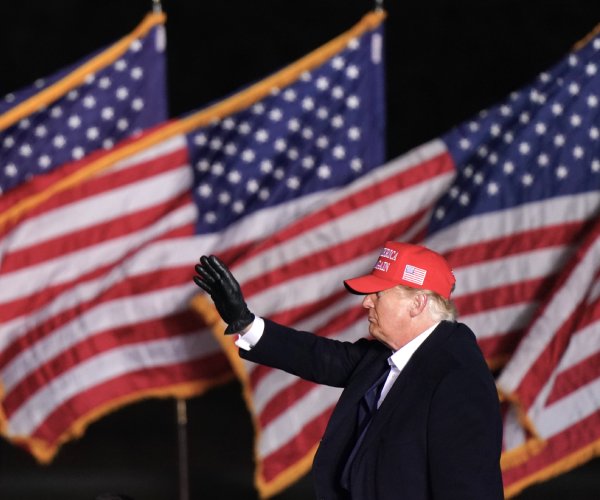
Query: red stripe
[
  {"x": 180, "y": 324},
  {"x": 130, "y": 287},
  {"x": 209, "y": 370},
  {"x": 41, "y": 298}
]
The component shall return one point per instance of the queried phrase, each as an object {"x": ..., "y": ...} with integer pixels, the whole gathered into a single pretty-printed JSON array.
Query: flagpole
[{"x": 182, "y": 448}]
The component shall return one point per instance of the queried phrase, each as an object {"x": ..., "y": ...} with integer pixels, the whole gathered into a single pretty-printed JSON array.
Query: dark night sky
[{"x": 446, "y": 60}]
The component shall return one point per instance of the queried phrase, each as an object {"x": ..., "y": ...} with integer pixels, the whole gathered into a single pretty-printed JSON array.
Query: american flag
[
  {"x": 97, "y": 263},
  {"x": 507, "y": 197}
]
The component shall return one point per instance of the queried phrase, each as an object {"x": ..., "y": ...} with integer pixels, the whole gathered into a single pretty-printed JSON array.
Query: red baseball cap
[{"x": 409, "y": 265}]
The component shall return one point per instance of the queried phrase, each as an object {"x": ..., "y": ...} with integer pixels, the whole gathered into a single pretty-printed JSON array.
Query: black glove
[{"x": 216, "y": 280}]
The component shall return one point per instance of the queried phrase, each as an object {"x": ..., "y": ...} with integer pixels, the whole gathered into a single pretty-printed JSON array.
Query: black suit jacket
[{"x": 437, "y": 434}]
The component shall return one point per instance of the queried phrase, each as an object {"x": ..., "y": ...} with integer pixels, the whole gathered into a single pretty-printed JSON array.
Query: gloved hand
[{"x": 215, "y": 279}]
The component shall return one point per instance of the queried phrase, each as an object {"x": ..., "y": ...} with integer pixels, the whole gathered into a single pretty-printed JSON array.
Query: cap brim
[{"x": 364, "y": 285}]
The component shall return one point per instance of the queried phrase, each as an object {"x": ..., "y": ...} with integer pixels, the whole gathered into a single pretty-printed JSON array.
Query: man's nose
[{"x": 367, "y": 302}]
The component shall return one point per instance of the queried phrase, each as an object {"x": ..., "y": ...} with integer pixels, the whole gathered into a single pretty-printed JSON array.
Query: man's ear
[{"x": 419, "y": 303}]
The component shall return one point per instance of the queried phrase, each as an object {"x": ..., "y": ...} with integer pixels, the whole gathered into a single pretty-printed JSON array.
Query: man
[{"x": 419, "y": 416}]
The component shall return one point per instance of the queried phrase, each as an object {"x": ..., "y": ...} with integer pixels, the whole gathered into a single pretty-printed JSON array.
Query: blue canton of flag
[
  {"x": 125, "y": 96},
  {"x": 322, "y": 131},
  {"x": 541, "y": 142}
]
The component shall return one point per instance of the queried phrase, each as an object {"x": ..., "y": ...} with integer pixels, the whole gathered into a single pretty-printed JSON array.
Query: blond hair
[{"x": 439, "y": 308}]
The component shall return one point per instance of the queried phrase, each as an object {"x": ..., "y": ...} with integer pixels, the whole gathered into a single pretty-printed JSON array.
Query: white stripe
[
  {"x": 106, "y": 316},
  {"x": 582, "y": 345},
  {"x": 99, "y": 208},
  {"x": 104, "y": 367},
  {"x": 498, "y": 321},
  {"x": 486, "y": 227},
  {"x": 563, "y": 303},
  {"x": 33, "y": 279},
  {"x": 292, "y": 421},
  {"x": 513, "y": 434}
]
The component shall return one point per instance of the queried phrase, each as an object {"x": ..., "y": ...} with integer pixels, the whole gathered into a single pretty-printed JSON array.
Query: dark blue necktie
[{"x": 366, "y": 410}]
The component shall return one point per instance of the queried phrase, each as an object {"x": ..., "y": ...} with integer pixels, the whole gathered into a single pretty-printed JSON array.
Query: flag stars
[
  {"x": 493, "y": 189},
  {"x": 592, "y": 101},
  {"x": 508, "y": 137},
  {"x": 56, "y": 112},
  {"x": 559, "y": 140},
  {"x": 308, "y": 162},
  {"x": 322, "y": 83},
  {"x": 293, "y": 125},
  {"x": 107, "y": 113},
  {"x": 324, "y": 172},
  {"x": 354, "y": 133},
  {"x": 339, "y": 152},
  {"x": 258, "y": 108},
  {"x": 356, "y": 164},
  {"x": 573, "y": 60},
  {"x": 543, "y": 160},
  {"x": 495, "y": 130},
  {"x": 244, "y": 128},
  {"x": 293, "y": 183},
  {"x": 464, "y": 144},
  {"x": 591, "y": 69},
  {"x": 137, "y": 73},
  {"x": 280, "y": 145},
  {"x": 337, "y": 92},
  {"x": 215, "y": 143},
  {"x": 200, "y": 139},
  {"x": 595, "y": 165},
  {"x": 338, "y": 63},
  {"x": 575, "y": 120},
  {"x": 264, "y": 194},
  {"x": 440, "y": 213},
  {"x": 74, "y": 121},
  {"x": 524, "y": 117},
  {"x": 540, "y": 128},
  {"x": 25, "y": 150},
  {"x": 89, "y": 102},
  {"x": 293, "y": 154},
  {"x": 266, "y": 166},
  {"x": 573, "y": 88},
  {"x": 578, "y": 152},
  {"x": 524, "y": 148},
  {"x": 210, "y": 217},
  {"x": 217, "y": 169},
  {"x": 454, "y": 192},
  {"x": 527, "y": 179},
  {"x": 307, "y": 133},
  {"x": 353, "y": 102},
  {"x": 72, "y": 95},
  {"x": 78, "y": 153},
  {"x": 122, "y": 93},
  {"x": 290, "y": 95},
  {"x": 505, "y": 110},
  {"x": 473, "y": 126},
  {"x": 8, "y": 142},
  {"x": 308, "y": 104},
  {"x": 230, "y": 149},
  {"x": 137, "y": 104},
  {"x": 352, "y": 72},
  {"x": 121, "y": 65},
  {"x": 478, "y": 178},
  {"x": 275, "y": 115},
  {"x": 248, "y": 155},
  {"x": 508, "y": 167},
  {"x": 203, "y": 165},
  {"x": 92, "y": 133},
  {"x": 40, "y": 131},
  {"x": 59, "y": 141},
  {"x": 224, "y": 198},
  {"x": 24, "y": 124},
  {"x": 337, "y": 121},
  {"x": 322, "y": 142},
  {"x": 322, "y": 113},
  {"x": 562, "y": 172},
  {"x": 238, "y": 207},
  {"x": 11, "y": 170},
  {"x": 354, "y": 44},
  {"x": 44, "y": 161},
  {"x": 108, "y": 143},
  {"x": 594, "y": 133},
  {"x": 104, "y": 82},
  {"x": 123, "y": 124},
  {"x": 464, "y": 199},
  {"x": 261, "y": 135},
  {"x": 252, "y": 186},
  {"x": 557, "y": 109},
  {"x": 279, "y": 173}
]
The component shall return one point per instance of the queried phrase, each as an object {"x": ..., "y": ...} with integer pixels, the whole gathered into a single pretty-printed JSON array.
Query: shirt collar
[{"x": 401, "y": 357}]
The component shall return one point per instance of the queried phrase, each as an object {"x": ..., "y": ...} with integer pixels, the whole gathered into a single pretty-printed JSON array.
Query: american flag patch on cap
[{"x": 414, "y": 274}]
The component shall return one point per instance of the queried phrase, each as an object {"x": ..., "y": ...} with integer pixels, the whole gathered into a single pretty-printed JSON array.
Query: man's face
[{"x": 390, "y": 314}]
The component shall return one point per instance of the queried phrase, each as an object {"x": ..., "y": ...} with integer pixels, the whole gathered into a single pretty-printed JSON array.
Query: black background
[{"x": 445, "y": 60}]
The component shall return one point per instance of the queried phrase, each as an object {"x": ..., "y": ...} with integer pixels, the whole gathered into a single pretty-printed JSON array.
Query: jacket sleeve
[
  {"x": 465, "y": 438},
  {"x": 318, "y": 359}
]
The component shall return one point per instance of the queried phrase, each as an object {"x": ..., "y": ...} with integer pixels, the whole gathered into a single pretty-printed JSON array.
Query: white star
[
  {"x": 592, "y": 101},
  {"x": 56, "y": 112},
  {"x": 527, "y": 179},
  {"x": 308, "y": 104},
  {"x": 122, "y": 93},
  {"x": 544, "y": 77},
  {"x": 275, "y": 114},
  {"x": 136, "y": 45},
  {"x": 440, "y": 213},
  {"x": 230, "y": 149},
  {"x": 338, "y": 62},
  {"x": 540, "y": 128},
  {"x": 591, "y": 69},
  {"x": 464, "y": 144},
  {"x": 575, "y": 120},
  {"x": 307, "y": 133},
  {"x": 578, "y": 152},
  {"x": 121, "y": 65},
  {"x": 238, "y": 207},
  {"x": 72, "y": 95},
  {"x": 78, "y": 153},
  {"x": 25, "y": 150},
  {"x": 573, "y": 60},
  {"x": 266, "y": 166},
  {"x": 468, "y": 171},
  {"x": 39, "y": 83},
  {"x": 216, "y": 143},
  {"x": 356, "y": 164},
  {"x": 322, "y": 83},
  {"x": 40, "y": 131},
  {"x": 594, "y": 133},
  {"x": 279, "y": 173},
  {"x": 508, "y": 137},
  {"x": 294, "y": 125},
  {"x": 234, "y": 177},
  {"x": 9, "y": 97},
  {"x": 574, "y": 88},
  {"x": 261, "y": 135},
  {"x": 290, "y": 95},
  {"x": 74, "y": 121},
  {"x": 337, "y": 92},
  {"x": 275, "y": 91},
  {"x": 92, "y": 133},
  {"x": 493, "y": 159},
  {"x": 280, "y": 145},
  {"x": 107, "y": 113},
  {"x": 44, "y": 161},
  {"x": 210, "y": 217},
  {"x": 454, "y": 192},
  {"x": 24, "y": 124},
  {"x": 322, "y": 113},
  {"x": 596, "y": 165},
  {"x": 229, "y": 123},
  {"x": 495, "y": 130},
  {"x": 104, "y": 82},
  {"x": 252, "y": 186},
  {"x": 464, "y": 199},
  {"x": 89, "y": 101},
  {"x": 562, "y": 171},
  {"x": 557, "y": 109},
  {"x": 308, "y": 162},
  {"x": 524, "y": 148},
  {"x": 509, "y": 167},
  {"x": 200, "y": 139},
  {"x": 353, "y": 44},
  {"x": 258, "y": 108},
  {"x": 306, "y": 76},
  {"x": 322, "y": 142},
  {"x": 354, "y": 133},
  {"x": 137, "y": 104},
  {"x": 248, "y": 155},
  {"x": 559, "y": 140},
  {"x": 59, "y": 141},
  {"x": 478, "y": 178},
  {"x": 11, "y": 170},
  {"x": 217, "y": 169},
  {"x": 122, "y": 124},
  {"x": 473, "y": 126},
  {"x": 492, "y": 188},
  {"x": 505, "y": 110},
  {"x": 339, "y": 152},
  {"x": 137, "y": 73},
  {"x": 244, "y": 128},
  {"x": 108, "y": 143},
  {"x": 543, "y": 160},
  {"x": 482, "y": 151},
  {"x": 203, "y": 165},
  {"x": 293, "y": 154},
  {"x": 264, "y": 194},
  {"x": 352, "y": 72},
  {"x": 597, "y": 43},
  {"x": 8, "y": 142},
  {"x": 337, "y": 121},
  {"x": 353, "y": 102},
  {"x": 524, "y": 117},
  {"x": 224, "y": 198},
  {"x": 324, "y": 172},
  {"x": 293, "y": 183}
]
